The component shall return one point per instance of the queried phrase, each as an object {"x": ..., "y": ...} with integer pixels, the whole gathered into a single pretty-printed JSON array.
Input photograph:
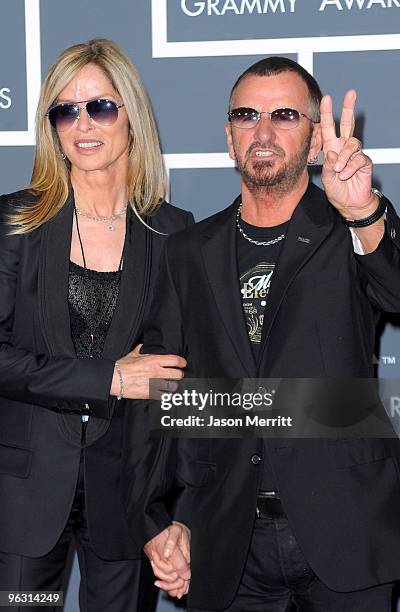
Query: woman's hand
[
  {"x": 169, "y": 553},
  {"x": 137, "y": 370}
]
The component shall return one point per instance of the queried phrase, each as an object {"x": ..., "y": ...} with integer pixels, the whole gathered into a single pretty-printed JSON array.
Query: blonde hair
[{"x": 146, "y": 183}]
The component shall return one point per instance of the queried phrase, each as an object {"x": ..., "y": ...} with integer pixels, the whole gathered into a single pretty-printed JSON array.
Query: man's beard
[{"x": 261, "y": 176}]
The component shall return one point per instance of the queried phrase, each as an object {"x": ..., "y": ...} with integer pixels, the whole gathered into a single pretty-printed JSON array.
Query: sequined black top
[{"x": 92, "y": 298}]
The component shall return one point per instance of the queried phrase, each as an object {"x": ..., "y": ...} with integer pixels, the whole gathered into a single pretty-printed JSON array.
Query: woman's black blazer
[{"x": 43, "y": 386}]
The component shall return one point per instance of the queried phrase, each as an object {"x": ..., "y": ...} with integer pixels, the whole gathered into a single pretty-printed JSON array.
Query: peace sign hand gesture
[{"x": 346, "y": 171}]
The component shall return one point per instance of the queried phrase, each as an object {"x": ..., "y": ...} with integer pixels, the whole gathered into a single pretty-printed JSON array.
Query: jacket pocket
[
  {"x": 350, "y": 452},
  {"x": 310, "y": 282},
  {"x": 194, "y": 473},
  {"x": 15, "y": 461}
]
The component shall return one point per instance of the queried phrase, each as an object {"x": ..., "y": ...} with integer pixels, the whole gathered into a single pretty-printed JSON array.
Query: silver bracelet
[{"x": 121, "y": 381}]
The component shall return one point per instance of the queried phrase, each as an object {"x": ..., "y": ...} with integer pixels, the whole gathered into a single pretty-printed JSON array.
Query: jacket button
[
  {"x": 393, "y": 233},
  {"x": 255, "y": 459}
]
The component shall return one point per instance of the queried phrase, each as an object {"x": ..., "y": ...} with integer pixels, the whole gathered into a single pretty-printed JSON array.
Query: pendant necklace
[
  {"x": 110, "y": 220},
  {"x": 92, "y": 329}
]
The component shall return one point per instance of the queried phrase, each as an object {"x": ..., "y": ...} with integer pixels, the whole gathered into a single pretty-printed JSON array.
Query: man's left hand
[{"x": 346, "y": 171}]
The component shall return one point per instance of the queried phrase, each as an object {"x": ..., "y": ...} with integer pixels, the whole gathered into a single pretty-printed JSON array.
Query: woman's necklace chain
[
  {"x": 121, "y": 262},
  {"x": 110, "y": 220}
]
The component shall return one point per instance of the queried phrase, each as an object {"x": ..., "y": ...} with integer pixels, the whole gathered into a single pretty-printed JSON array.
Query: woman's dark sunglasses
[
  {"x": 282, "y": 118},
  {"x": 103, "y": 112}
]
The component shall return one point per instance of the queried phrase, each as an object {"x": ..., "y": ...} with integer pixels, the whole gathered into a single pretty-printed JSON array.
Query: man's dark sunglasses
[{"x": 282, "y": 118}]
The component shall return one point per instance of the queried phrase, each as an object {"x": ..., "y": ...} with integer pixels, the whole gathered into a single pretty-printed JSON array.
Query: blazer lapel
[
  {"x": 133, "y": 291},
  {"x": 308, "y": 228},
  {"x": 53, "y": 281},
  {"x": 220, "y": 259}
]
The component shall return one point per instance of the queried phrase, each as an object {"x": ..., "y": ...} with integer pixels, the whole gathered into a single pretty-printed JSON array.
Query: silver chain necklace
[
  {"x": 110, "y": 220},
  {"x": 256, "y": 242}
]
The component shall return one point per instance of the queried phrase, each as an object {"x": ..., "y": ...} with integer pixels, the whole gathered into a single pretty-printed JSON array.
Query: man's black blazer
[
  {"x": 43, "y": 386},
  {"x": 342, "y": 497}
]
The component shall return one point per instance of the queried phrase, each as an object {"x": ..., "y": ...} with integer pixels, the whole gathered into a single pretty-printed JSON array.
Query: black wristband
[{"x": 380, "y": 211}]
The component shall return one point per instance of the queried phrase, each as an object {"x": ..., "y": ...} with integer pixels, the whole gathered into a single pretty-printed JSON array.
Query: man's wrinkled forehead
[{"x": 286, "y": 86}]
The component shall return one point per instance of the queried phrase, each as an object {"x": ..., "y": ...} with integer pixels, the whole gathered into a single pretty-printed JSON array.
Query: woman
[{"x": 79, "y": 252}]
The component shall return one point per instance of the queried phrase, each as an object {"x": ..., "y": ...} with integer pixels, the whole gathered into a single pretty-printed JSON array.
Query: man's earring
[{"x": 313, "y": 161}]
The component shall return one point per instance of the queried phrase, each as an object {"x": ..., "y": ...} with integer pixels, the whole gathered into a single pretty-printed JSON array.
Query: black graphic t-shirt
[{"x": 256, "y": 267}]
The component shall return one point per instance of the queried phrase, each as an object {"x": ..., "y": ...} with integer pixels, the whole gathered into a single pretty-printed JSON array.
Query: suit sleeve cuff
[{"x": 92, "y": 390}]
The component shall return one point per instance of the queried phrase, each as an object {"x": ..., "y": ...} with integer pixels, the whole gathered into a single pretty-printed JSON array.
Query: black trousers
[
  {"x": 277, "y": 578},
  {"x": 105, "y": 586}
]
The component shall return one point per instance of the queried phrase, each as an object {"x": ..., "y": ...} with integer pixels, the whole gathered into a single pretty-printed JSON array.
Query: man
[{"x": 279, "y": 522}]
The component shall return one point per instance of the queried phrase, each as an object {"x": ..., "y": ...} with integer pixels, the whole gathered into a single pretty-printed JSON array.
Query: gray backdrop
[{"x": 189, "y": 53}]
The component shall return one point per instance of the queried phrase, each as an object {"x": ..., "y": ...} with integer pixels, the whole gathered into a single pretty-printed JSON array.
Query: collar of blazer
[
  {"x": 53, "y": 285},
  {"x": 310, "y": 224}
]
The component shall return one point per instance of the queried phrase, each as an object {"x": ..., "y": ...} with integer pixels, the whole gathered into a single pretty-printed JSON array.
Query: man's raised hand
[{"x": 346, "y": 171}]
